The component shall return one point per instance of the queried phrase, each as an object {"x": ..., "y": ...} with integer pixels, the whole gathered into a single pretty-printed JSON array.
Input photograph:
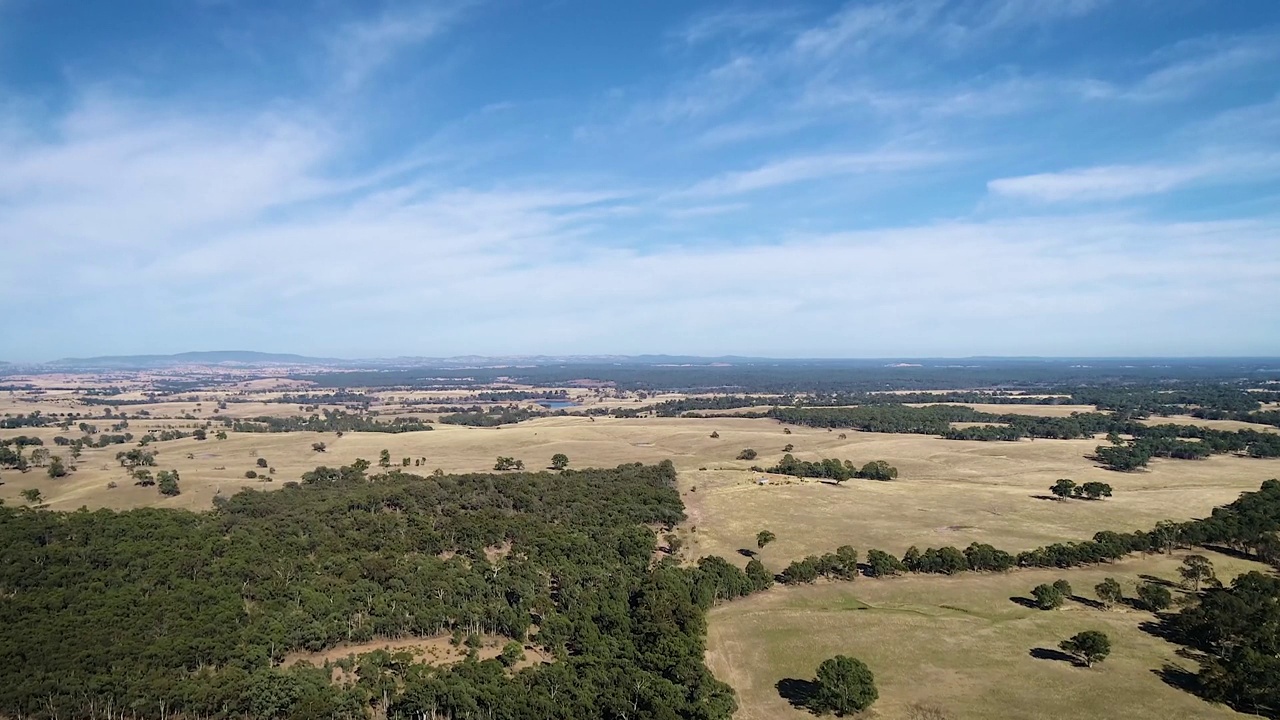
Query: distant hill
[{"x": 211, "y": 357}]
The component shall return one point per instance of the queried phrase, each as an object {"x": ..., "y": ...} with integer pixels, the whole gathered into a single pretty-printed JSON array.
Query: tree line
[{"x": 328, "y": 421}]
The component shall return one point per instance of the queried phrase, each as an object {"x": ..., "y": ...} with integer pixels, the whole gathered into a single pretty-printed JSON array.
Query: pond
[{"x": 557, "y": 404}]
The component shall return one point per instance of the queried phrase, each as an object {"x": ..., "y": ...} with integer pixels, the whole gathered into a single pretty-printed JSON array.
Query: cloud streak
[{"x": 1120, "y": 182}]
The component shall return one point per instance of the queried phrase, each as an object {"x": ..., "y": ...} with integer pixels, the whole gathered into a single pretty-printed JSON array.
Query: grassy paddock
[
  {"x": 949, "y": 493},
  {"x": 960, "y": 644}
]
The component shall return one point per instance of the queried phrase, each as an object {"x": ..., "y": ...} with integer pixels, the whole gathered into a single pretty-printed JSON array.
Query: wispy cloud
[
  {"x": 360, "y": 47},
  {"x": 735, "y": 23},
  {"x": 812, "y": 167},
  {"x": 1120, "y": 182}
]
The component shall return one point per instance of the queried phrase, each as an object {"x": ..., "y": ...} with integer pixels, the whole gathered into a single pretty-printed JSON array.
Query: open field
[
  {"x": 1014, "y": 409},
  {"x": 948, "y": 493},
  {"x": 1231, "y": 425},
  {"x": 959, "y": 644}
]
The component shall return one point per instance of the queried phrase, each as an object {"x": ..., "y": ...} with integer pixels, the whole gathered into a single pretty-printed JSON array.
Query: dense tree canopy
[{"x": 196, "y": 611}]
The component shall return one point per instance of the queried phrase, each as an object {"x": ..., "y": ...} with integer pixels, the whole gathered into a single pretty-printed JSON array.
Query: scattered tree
[
  {"x": 844, "y": 685},
  {"x": 559, "y": 461},
  {"x": 1047, "y": 597},
  {"x": 1154, "y": 597},
  {"x": 262, "y": 462},
  {"x": 1089, "y": 647},
  {"x": 715, "y": 435},
  {"x": 318, "y": 447},
  {"x": 747, "y": 454},
  {"x": 764, "y": 537},
  {"x": 32, "y": 496},
  {"x": 56, "y": 467},
  {"x": 168, "y": 482},
  {"x": 788, "y": 448},
  {"x": 1093, "y": 490},
  {"x": 1195, "y": 570},
  {"x": 1063, "y": 488},
  {"x": 1109, "y": 592}
]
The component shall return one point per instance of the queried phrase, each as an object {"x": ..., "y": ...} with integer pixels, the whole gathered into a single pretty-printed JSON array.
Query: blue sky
[{"x": 864, "y": 179}]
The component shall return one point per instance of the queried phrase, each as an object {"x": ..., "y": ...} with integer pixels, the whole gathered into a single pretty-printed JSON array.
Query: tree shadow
[
  {"x": 1160, "y": 581},
  {"x": 746, "y": 552},
  {"x": 1096, "y": 605},
  {"x": 1178, "y": 677},
  {"x": 797, "y": 692},
  {"x": 1231, "y": 552},
  {"x": 1160, "y": 628},
  {"x": 1025, "y": 602},
  {"x": 1051, "y": 654},
  {"x": 1054, "y": 498}
]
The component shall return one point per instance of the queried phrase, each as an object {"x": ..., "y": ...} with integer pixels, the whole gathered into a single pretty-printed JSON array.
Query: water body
[{"x": 557, "y": 404}]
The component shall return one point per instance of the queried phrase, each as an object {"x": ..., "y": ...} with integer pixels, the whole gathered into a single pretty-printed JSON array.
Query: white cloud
[
  {"x": 1119, "y": 182},
  {"x": 359, "y": 48},
  {"x": 736, "y": 23},
  {"x": 813, "y": 167}
]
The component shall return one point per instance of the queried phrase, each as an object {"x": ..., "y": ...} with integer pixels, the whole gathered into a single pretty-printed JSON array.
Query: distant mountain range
[
  {"x": 253, "y": 359},
  {"x": 250, "y": 358}
]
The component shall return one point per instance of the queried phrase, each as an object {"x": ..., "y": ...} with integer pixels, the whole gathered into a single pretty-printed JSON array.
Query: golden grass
[
  {"x": 949, "y": 492},
  {"x": 1013, "y": 409},
  {"x": 959, "y": 644},
  {"x": 1231, "y": 425}
]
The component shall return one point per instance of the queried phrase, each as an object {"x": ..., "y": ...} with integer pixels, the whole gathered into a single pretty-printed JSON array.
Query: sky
[{"x": 862, "y": 179}]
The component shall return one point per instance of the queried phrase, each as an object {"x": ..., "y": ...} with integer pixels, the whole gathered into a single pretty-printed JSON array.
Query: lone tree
[
  {"x": 559, "y": 461},
  {"x": 764, "y": 537},
  {"x": 168, "y": 482},
  {"x": 1195, "y": 570},
  {"x": 844, "y": 685},
  {"x": 1047, "y": 597},
  {"x": 1089, "y": 647},
  {"x": 56, "y": 468},
  {"x": 1109, "y": 592},
  {"x": 32, "y": 495},
  {"x": 1063, "y": 488},
  {"x": 1155, "y": 597},
  {"x": 714, "y": 435},
  {"x": 384, "y": 458},
  {"x": 318, "y": 446},
  {"x": 262, "y": 462},
  {"x": 748, "y": 454}
]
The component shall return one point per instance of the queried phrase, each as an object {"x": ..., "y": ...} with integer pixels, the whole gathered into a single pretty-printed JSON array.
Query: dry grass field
[
  {"x": 959, "y": 644},
  {"x": 1013, "y": 409},
  {"x": 1231, "y": 425},
  {"x": 948, "y": 493}
]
